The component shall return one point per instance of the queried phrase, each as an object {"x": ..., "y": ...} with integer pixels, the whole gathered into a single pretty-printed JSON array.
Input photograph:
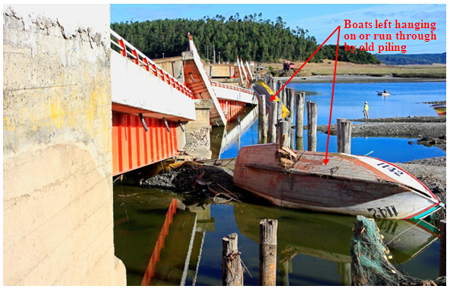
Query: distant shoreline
[{"x": 357, "y": 78}]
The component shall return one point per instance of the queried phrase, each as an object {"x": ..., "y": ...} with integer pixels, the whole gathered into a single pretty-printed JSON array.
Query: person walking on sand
[{"x": 366, "y": 110}]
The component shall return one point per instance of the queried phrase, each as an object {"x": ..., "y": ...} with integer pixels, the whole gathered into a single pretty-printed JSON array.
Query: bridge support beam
[{"x": 198, "y": 142}]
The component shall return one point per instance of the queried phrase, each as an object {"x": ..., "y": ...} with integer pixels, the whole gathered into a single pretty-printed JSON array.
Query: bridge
[
  {"x": 150, "y": 105},
  {"x": 82, "y": 106}
]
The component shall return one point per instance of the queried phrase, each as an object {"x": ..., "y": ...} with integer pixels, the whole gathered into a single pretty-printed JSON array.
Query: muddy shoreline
[{"x": 429, "y": 131}]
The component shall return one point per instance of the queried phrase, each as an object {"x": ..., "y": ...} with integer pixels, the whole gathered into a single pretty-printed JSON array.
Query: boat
[
  {"x": 348, "y": 184},
  {"x": 440, "y": 109},
  {"x": 383, "y": 93}
]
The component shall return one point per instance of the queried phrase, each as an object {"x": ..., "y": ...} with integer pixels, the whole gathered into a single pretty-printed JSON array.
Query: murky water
[
  {"x": 166, "y": 239},
  {"x": 163, "y": 242}
]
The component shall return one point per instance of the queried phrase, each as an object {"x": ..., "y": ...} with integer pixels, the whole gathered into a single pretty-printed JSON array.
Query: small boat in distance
[
  {"x": 441, "y": 109},
  {"x": 383, "y": 93},
  {"x": 348, "y": 184}
]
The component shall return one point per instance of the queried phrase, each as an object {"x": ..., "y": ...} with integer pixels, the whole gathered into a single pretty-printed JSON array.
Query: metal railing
[
  {"x": 233, "y": 87},
  {"x": 130, "y": 52}
]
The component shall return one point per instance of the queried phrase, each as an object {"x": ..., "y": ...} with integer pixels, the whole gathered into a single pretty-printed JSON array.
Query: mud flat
[{"x": 430, "y": 131}]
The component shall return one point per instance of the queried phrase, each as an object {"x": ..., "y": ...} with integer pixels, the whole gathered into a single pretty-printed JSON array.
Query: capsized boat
[
  {"x": 441, "y": 109},
  {"x": 348, "y": 184}
]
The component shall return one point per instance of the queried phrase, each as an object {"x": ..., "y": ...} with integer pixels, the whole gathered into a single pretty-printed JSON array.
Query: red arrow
[
  {"x": 337, "y": 29},
  {"x": 332, "y": 94}
]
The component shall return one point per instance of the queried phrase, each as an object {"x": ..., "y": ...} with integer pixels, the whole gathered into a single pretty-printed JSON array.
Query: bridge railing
[
  {"x": 130, "y": 52},
  {"x": 233, "y": 87}
]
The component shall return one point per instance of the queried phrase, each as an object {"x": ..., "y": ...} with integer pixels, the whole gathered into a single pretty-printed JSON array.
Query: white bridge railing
[{"x": 130, "y": 52}]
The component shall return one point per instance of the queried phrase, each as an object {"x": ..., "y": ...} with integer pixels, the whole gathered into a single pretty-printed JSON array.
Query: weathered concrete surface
[
  {"x": 198, "y": 140},
  {"x": 57, "y": 161}
]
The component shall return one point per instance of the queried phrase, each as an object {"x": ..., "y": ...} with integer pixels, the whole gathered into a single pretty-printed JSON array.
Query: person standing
[{"x": 366, "y": 110}]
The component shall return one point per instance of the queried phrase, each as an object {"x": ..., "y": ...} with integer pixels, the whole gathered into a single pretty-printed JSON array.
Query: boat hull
[
  {"x": 441, "y": 109},
  {"x": 348, "y": 184}
]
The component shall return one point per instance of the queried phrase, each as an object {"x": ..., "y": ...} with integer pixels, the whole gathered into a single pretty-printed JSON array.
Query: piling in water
[
  {"x": 299, "y": 121},
  {"x": 273, "y": 116},
  {"x": 312, "y": 126},
  {"x": 262, "y": 115},
  {"x": 232, "y": 271},
  {"x": 283, "y": 128},
  {"x": 268, "y": 252},
  {"x": 344, "y": 135}
]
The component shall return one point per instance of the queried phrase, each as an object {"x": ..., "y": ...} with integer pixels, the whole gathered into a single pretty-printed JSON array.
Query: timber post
[
  {"x": 291, "y": 103},
  {"x": 232, "y": 271},
  {"x": 268, "y": 252},
  {"x": 283, "y": 133},
  {"x": 273, "y": 117},
  {"x": 312, "y": 126},
  {"x": 263, "y": 115},
  {"x": 442, "y": 248},
  {"x": 344, "y": 135},
  {"x": 299, "y": 113},
  {"x": 280, "y": 110}
]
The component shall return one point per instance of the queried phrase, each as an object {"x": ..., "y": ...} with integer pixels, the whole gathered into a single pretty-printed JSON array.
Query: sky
[{"x": 320, "y": 20}]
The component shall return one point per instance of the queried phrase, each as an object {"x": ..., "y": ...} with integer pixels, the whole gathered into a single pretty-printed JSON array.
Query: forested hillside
[
  {"x": 403, "y": 59},
  {"x": 250, "y": 37},
  {"x": 360, "y": 57}
]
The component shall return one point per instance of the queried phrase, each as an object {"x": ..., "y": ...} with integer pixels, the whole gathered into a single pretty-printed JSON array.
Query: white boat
[
  {"x": 348, "y": 184},
  {"x": 383, "y": 93}
]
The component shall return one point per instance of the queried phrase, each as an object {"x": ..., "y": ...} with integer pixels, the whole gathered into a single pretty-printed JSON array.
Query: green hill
[
  {"x": 250, "y": 37},
  {"x": 403, "y": 59}
]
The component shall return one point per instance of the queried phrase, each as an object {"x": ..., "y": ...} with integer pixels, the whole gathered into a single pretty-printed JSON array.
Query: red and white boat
[{"x": 348, "y": 184}]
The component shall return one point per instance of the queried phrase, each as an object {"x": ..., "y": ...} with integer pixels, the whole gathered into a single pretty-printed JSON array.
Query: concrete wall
[
  {"x": 198, "y": 140},
  {"x": 57, "y": 161}
]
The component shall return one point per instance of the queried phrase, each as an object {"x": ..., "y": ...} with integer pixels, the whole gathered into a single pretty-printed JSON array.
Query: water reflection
[
  {"x": 327, "y": 237},
  {"x": 158, "y": 238},
  {"x": 223, "y": 137},
  {"x": 161, "y": 240}
]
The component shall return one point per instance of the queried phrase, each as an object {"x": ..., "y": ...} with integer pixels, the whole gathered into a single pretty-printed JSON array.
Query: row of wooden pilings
[
  {"x": 233, "y": 268},
  {"x": 276, "y": 129}
]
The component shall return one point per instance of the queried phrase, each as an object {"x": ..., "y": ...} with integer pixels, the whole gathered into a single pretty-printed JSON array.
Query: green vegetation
[
  {"x": 251, "y": 37},
  {"x": 403, "y": 59},
  {"x": 360, "y": 57}
]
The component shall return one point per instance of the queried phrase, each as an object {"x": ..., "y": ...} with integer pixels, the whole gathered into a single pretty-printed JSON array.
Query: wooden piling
[
  {"x": 283, "y": 133},
  {"x": 300, "y": 99},
  {"x": 291, "y": 101},
  {"x": 232, "y": 271},
  {"x": 442, "y": 249},
  {"x": 273, "y": 117},
  {"x": 279, "y": 110},
  {"x": 262, "y": 115},
  {"x": 268, "y": 252},
  {"x": 299, "y": 144},
  {"x": 312, "y": 126},
  {"x": 344, "y": 135}
]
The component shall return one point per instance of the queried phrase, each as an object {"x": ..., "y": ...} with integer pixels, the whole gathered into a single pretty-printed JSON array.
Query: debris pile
[
  {"x": 288, "y": 158},
  {"x": 194, "y": 178}
]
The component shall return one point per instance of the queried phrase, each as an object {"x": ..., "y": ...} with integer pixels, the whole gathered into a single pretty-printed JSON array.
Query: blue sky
[{"x": 319, "y": 19}]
